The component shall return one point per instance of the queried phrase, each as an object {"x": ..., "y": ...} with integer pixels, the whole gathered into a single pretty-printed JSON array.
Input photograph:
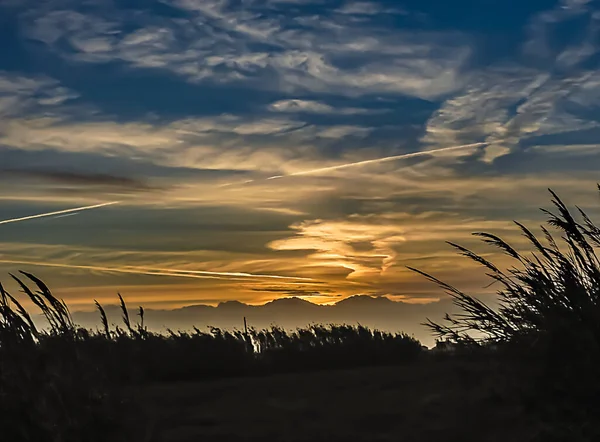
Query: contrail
[
  {"x": 232, "y": 274},
  {"x": 158, "y": 272},
  {"x": 66, "y": 214},
  {"x": 105, "y": 269},
  {"x": 58, "y": 212},
  {"x": 238, "y": 183},
  {"x": 378, "y": 160}
]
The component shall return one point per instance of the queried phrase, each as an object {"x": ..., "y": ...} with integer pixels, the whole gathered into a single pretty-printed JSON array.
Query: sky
[{"x": 189, "y": 151}]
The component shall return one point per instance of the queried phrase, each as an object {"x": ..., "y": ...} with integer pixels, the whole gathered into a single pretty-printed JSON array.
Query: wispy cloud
[
  {"x": 20, "y": 94},
  {"x": 76, "y": 178},
  {"x": 318, "y": 107},
  {"x": 507, "y": 105},
  {"x": 215, "y": 43},
  {"x": 367, "y": 246},
  {"x": 367, "y": 8}
]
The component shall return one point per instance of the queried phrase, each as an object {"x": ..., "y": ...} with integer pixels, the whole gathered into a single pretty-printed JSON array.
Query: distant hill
[{"x": 290, "y": 313}]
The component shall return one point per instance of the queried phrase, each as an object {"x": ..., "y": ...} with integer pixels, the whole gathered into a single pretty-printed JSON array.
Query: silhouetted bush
[
  {"x": 548, "y": 319},
  {"x": 552, "y": 295},
  {"x": 49, "y": 389}
]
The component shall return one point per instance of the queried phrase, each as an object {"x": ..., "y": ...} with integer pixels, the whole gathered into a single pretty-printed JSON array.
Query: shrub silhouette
[
  {"x": 49, "y": 390},
  {"x": 554, "y": 293},
  {"x": 548, "y": 320}
]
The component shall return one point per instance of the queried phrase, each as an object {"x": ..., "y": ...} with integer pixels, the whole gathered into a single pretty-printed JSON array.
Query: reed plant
[{"x": 547, "y": 322}]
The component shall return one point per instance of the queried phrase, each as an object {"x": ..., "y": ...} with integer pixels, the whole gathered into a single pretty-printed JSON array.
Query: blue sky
[{"x": 182, "y": 110}]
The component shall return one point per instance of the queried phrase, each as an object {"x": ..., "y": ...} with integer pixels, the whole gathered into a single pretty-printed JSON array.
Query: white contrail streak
[
  {"x": 58, "y": 212},
  {"x": 66, "y": 214},
  {"x": 238, "y": 183},
  {"x": 157, "y": 272},
  {"x": 227, "y": 274},
  {"x": 104, "y": 269},
  {"x": 378, "y": 160}
]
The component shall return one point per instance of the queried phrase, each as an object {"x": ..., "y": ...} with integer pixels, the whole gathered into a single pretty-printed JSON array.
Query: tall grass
[
  {"x": 137, "y": 355},
  {"x": 554, "y": 293},
  {"x": 49, "y": 390},
  {"x": 548, "y": 319},
  {"x": 134, "y": 354},
  {"x": 62, "y": 383}
]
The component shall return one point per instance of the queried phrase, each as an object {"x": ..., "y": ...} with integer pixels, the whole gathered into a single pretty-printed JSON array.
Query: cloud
[
  {"x": 411, "y": 300},
  {"x": 215, "y": 42},
  {"x": 227, "y": 143},
  {"x": 318, "y": 107},
  {"x": 412, "y": 75},
  {"x": 78, "y": 179},
  {"x": 333, "y": 242},
  {"x": 367, "y": 246},
  {"x": 342, "y": 131},
  {"x": 506, "y": 106},
  {"x": 20, "y": 94},
  {"x": 542, "y": 44},
  {"x": 367, "y": 8},
  {"x": 297, "y": 292},
  {"x": 511, "y": 105}
]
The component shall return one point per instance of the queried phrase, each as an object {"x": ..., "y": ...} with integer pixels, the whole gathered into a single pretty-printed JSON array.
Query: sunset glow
[{"x": 191, "y": 152}]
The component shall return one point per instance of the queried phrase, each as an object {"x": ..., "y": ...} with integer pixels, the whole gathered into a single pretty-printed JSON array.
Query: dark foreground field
[{"x": 429, "y": 400}]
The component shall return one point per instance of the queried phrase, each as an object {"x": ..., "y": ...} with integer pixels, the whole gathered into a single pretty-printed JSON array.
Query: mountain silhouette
[{"x": 290, "y": 313}]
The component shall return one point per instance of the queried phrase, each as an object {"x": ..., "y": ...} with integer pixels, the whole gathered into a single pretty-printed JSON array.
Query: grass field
[{"x": 429, "y": 400}]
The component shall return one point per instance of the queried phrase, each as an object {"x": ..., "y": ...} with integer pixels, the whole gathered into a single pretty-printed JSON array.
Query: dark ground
[{"x": 429, "y": 400}]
